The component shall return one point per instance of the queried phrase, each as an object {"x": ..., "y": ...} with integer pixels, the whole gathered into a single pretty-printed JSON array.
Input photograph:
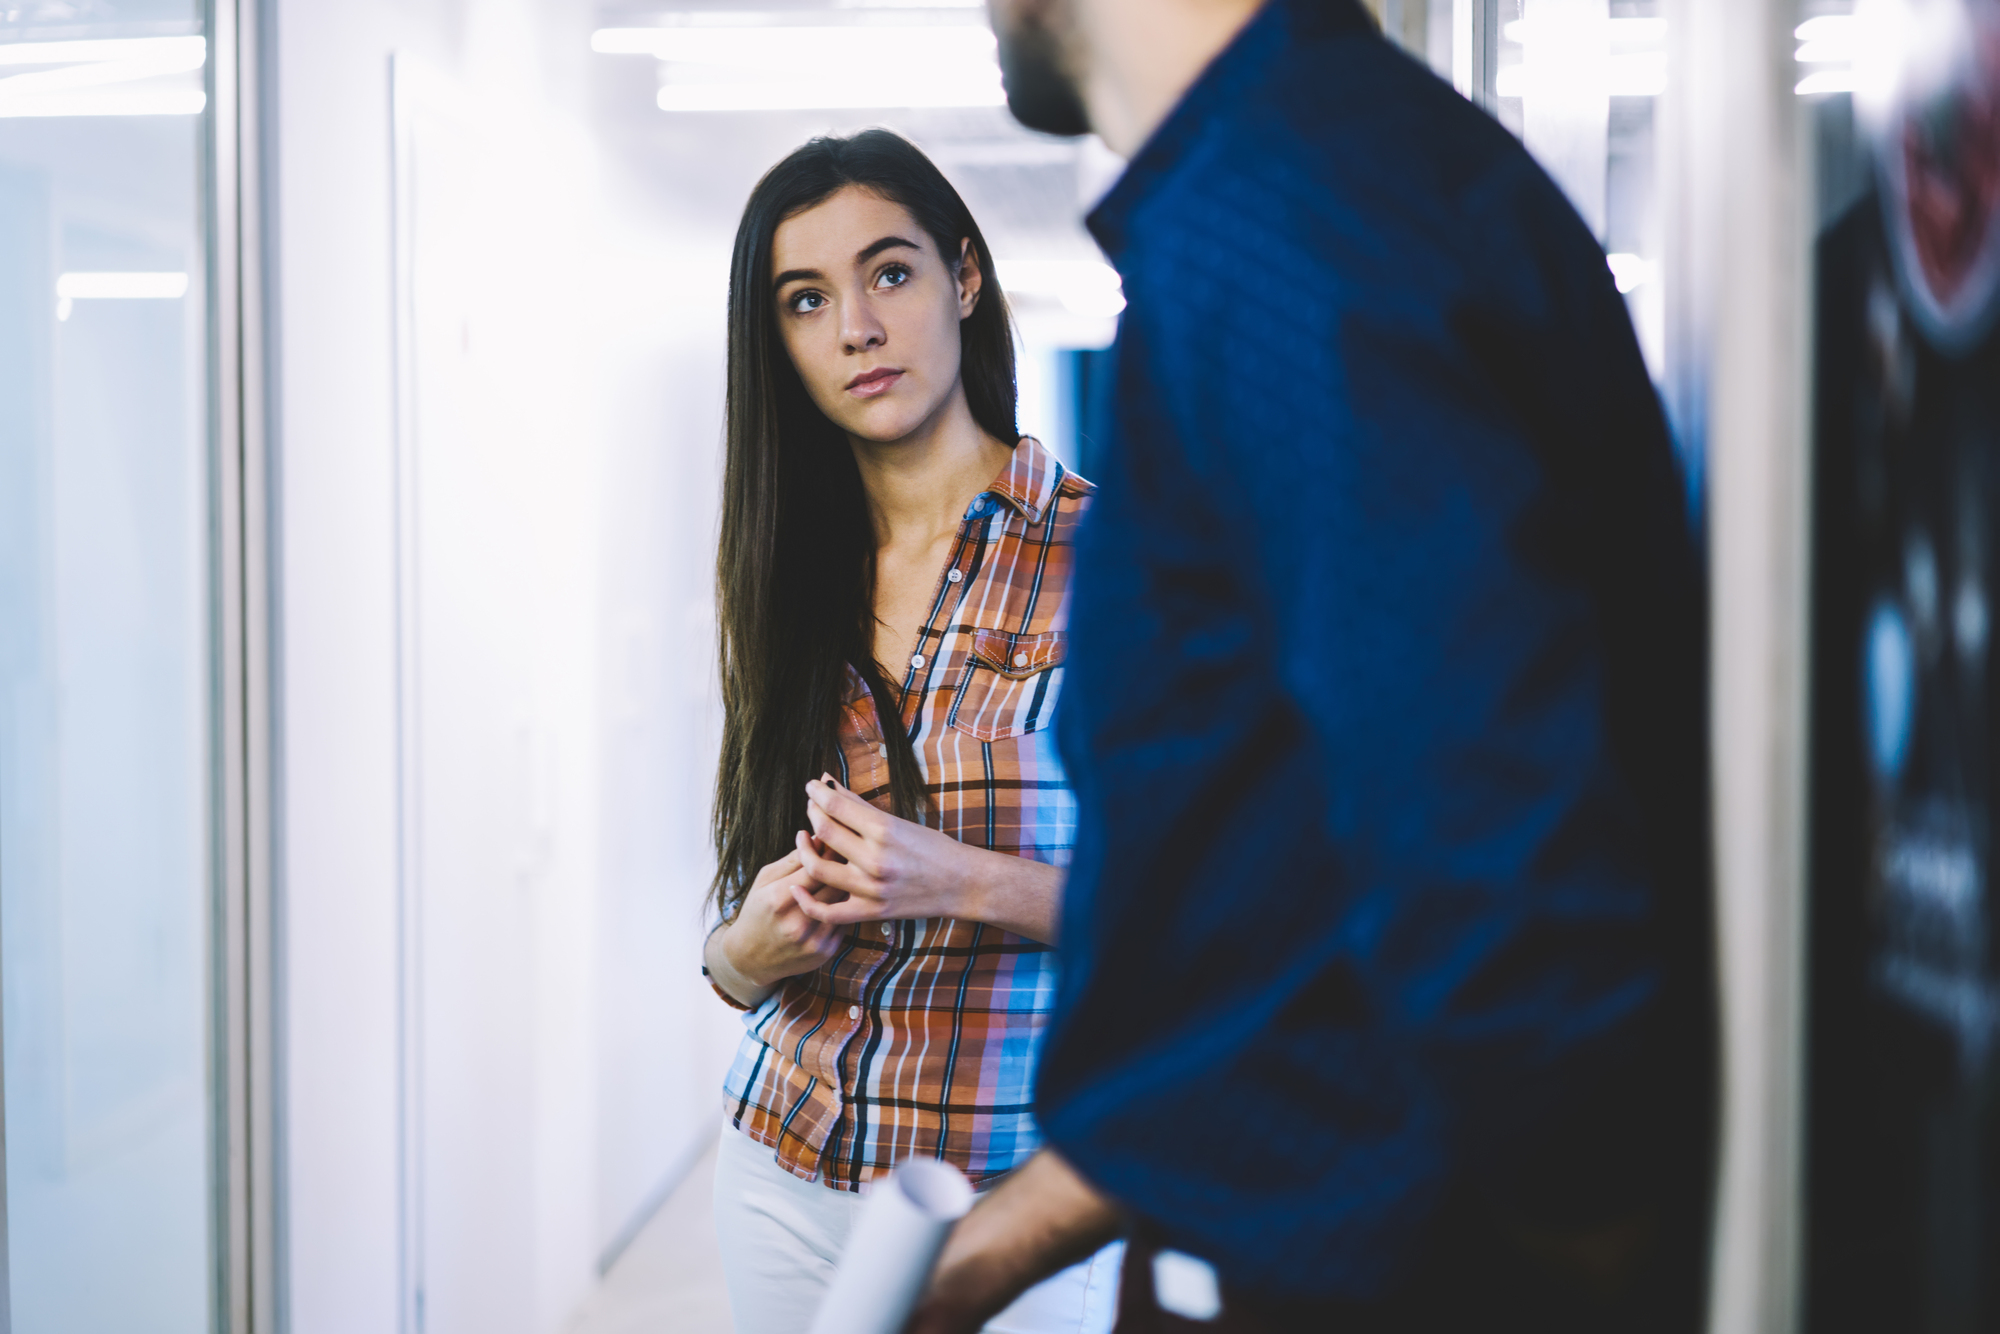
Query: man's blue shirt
[{"x": 1385, "y": 699}]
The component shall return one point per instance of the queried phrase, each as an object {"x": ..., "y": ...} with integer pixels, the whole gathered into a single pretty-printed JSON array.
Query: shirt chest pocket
[{"x": 1009, "y": 685}]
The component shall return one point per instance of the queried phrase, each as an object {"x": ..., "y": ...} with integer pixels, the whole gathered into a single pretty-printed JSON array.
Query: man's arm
[{"x": 1040, "y": 1220}]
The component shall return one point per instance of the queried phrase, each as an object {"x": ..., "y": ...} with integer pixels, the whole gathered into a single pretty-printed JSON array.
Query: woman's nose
[{"x": 859, "y": 329}]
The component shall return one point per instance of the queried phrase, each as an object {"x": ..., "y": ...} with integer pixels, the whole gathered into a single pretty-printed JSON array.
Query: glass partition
[
  {"x": 1580, "y": 82},
  {"x": 106, "y": 669}
]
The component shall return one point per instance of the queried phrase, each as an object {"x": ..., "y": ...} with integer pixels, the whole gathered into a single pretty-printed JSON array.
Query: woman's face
[{"x": 870, "y": 313}]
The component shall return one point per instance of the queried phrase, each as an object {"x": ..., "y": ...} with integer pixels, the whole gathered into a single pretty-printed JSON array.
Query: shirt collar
[
  {"x": 1244, "y": 65},
  {"x": 1029, "y": 480}
]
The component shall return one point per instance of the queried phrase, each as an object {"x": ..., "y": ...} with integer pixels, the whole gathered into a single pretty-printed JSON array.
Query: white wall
[{"x": 560, "y": 695}]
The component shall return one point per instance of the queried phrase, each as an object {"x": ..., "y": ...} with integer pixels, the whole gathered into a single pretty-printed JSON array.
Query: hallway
[
  {"x": 363, "y": 372},
  {"x": 669, "y": 1280}
]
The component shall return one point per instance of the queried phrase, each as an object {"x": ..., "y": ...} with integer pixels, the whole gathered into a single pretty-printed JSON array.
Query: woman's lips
[{"x": 869, "y": 384}]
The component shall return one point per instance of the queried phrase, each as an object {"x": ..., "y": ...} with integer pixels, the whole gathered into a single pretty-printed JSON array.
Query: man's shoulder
[
  {"x": 1352, "y": 153},
  {"x": 1366, "y": 100}
]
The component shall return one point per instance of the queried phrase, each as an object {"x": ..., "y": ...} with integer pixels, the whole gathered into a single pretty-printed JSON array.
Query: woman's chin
[{"x": 882, "y": 423}]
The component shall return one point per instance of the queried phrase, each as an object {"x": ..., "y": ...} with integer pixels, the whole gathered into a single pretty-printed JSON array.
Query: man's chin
[
  {"x": 1039, "y": 91},
  {"x": 1045, "y": 116}
]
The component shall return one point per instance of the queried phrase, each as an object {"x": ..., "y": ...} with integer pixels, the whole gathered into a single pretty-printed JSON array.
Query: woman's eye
[
  {"x": 805, "y": 302},
  {"x": 893, "y": 276}
]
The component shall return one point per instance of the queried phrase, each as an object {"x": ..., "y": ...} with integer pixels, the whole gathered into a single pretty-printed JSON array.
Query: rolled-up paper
[{"x": 889, "y": 1257}]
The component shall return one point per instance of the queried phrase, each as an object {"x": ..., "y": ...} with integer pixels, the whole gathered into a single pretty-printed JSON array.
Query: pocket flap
[{"x": 1019, "y": 656}]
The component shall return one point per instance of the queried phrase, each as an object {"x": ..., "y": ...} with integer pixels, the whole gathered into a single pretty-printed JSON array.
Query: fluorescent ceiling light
[
  {"x": 131, "y": 76},
  {"x": 122, "y": 286},
  {"x": 1827, "y": 28},
  {"x": 759, "y": 64},
  {"x": 1830, "y": 39},
  {"x": 1624, "y": 76},
  {"x": 1623, "y": 32},
  {"x": 74, "y": 287},
  {"x": 815, "y": 50},
  {"x": 1085, "y": 287}
]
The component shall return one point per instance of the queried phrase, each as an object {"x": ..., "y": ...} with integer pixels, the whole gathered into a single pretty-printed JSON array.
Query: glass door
[{"x": 107, "y": 670}]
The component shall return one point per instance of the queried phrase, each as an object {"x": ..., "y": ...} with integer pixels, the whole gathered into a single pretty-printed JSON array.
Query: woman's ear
[{"x": 970, "y": 280}]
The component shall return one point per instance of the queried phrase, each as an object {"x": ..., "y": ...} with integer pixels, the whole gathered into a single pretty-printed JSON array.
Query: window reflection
[{"x": 104, "y": 666}]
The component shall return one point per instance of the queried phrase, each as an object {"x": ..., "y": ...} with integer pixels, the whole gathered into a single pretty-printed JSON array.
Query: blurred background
[{"x": 360, "y": 415}]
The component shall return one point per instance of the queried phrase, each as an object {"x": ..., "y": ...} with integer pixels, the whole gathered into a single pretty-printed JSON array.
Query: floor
[{"x": 669, "y": 1281}]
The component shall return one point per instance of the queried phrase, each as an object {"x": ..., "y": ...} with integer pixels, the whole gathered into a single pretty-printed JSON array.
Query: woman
[{"x": 891, "y": 819}]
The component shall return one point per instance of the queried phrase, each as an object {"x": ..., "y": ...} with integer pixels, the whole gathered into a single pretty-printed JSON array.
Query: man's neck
[{"x": 1143, "y": 55}]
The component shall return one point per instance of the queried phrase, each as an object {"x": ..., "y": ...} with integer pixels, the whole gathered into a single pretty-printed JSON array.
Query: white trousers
[{"x": 782, "y": 1236}]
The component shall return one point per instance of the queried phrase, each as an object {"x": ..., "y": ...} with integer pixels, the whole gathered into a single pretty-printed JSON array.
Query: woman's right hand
[{"x": 770, "y": 938}]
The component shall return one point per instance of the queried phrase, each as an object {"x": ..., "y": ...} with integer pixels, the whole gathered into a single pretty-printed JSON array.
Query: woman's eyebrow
[
  {"x": 886, "y": 243},
  {"x": 868, "y": 253}
]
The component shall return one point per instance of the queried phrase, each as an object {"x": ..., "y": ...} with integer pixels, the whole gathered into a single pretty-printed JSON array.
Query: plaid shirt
[{"x": 919, "y": 1037}]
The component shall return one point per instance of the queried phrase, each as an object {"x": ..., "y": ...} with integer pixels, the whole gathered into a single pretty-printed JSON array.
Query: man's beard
[{"x": 1040, "y": 92}]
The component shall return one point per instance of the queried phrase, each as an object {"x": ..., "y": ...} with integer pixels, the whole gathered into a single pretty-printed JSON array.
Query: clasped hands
[
  {"x": 860, "y": 864},
  {"x": 878, "y": 867}
]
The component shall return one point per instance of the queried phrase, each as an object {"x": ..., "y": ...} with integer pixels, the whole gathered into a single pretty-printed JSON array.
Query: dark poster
[{"x": 1903, "y": 1192}]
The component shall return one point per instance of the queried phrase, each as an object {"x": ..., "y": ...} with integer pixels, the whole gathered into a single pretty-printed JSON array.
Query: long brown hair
[{"x": 795, "y": 568}]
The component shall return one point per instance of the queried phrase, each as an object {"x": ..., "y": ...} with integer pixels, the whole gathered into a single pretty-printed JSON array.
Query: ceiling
[{"x": 1028, "y": 191}]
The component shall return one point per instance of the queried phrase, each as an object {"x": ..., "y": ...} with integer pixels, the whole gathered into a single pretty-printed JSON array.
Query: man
[{"x": 1386, "y": 995}]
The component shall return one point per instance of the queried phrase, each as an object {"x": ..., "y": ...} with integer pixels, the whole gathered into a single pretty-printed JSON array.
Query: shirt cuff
[{"x": 727, "y": 999}]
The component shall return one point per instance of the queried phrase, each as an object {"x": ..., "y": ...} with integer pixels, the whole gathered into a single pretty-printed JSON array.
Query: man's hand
[
  {"x": 1041, "y": 1220},
  {"x": 892, "y": 869},
  {"x": 770, "y": 940}
]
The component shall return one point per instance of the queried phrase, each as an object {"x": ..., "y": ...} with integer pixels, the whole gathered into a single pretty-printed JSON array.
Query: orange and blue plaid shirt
[{"x": 919, "y": 1037}]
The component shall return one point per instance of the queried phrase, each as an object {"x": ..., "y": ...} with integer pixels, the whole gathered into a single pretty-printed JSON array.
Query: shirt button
[
  {"x": 854, "y": 1012},
  {"x": 952, "y": 576},
  {"x": 888, "y": 930},
  {"x": 916, "y": 660},
  {"x": 1020, "y": 660}
]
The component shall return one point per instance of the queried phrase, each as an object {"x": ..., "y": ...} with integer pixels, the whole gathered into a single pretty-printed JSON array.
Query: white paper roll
[{"x": 889, "y": 1257}]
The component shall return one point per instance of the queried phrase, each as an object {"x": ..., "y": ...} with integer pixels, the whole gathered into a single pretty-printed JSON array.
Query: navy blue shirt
[{"x": 1384, "y": 708}]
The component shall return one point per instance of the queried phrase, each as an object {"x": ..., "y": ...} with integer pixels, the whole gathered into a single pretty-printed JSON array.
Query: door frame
[{"x": 248, "y": 1272}]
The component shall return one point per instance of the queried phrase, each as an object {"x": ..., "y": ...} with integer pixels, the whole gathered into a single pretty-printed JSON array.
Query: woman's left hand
[{"x": 892, "y": 868}]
